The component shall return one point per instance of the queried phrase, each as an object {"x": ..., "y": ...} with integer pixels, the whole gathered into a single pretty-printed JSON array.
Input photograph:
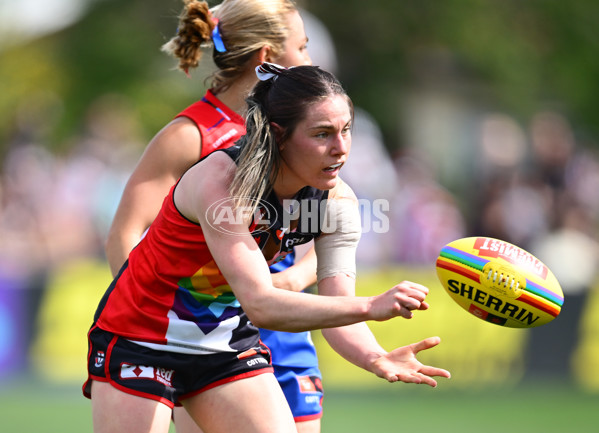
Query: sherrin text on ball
[{"x": 499, "y": 282}]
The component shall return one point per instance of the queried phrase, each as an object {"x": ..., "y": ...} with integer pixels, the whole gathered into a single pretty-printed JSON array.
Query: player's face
[
  {"x": 296, "y": 45},
  {"x": 317, "y": 149}
]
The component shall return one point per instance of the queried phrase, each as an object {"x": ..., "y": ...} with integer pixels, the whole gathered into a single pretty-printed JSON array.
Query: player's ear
[
  {"x": 279, "y": 133},
  {"x": 265, "y": 54}
]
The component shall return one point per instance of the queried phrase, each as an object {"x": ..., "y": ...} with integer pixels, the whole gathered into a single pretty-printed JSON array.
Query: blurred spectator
[
  {"x": 502, "y": 146},
  {"x": 369, "y": 169},
  {"x": 370, "y": 172},
  {"x": 507, "y": 205},
  {"x": 54, "y": 211},
  {"x": 89, "y": 182},
  {"x": 545, "y": 202},
  {"x": 570, "y": 245},
  {"x": 26, "y": 178},
  {"x": 424, "y": 215},
  {"x": 92, "y": 177}
]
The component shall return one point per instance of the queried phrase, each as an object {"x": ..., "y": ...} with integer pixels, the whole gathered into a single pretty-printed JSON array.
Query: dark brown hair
[{"x": 284, "y": 100}]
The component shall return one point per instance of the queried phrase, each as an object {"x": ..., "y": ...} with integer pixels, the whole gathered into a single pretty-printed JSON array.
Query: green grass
[
  {"x": 525, "y": 409},
  {"x": 534, "y": 408},
  {"x": 40, "y": 408}
]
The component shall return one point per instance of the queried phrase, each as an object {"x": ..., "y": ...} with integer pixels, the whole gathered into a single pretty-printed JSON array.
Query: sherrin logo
[{"x": 480, "y": 297}]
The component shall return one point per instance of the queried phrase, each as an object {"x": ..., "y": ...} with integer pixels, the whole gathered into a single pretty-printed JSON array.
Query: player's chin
[{"x": 327, "y": 183}]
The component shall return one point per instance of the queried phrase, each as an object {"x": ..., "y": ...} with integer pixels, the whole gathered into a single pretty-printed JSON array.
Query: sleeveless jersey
[
  {"x": 219, "y": 126},
  {"x": 172, "y": 293}
]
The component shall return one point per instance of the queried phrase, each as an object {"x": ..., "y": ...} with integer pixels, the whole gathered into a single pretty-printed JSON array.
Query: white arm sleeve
[{"x": 336, "y": 247}]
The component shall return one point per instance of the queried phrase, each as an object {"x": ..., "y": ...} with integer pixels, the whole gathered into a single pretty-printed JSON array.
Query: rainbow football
[{"x": 499, "y": 282}]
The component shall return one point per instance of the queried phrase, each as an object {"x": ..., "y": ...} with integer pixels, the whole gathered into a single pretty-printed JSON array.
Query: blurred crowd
[
  {"x": 533, "y": 185},
  {"x": 55, "y": 210},
  {"x": 58, "y": 207}
]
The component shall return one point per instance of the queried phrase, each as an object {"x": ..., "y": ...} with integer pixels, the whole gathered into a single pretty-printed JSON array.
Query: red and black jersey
[
  {"x": 220, "y": 127},
  {"x": 172, "y": 293}
]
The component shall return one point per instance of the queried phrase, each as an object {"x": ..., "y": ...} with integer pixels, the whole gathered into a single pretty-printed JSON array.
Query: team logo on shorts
[
  {"x": 132, "y": 371},
  {"x": 99, "y": 359},
  {"x": 308, "y": 384}
]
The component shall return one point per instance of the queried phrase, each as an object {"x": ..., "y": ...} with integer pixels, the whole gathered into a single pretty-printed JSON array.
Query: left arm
[{"x": 356, "y": 343}]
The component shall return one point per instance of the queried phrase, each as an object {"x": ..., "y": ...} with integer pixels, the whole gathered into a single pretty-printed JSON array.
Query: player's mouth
[{"x": 333, "y": 168}]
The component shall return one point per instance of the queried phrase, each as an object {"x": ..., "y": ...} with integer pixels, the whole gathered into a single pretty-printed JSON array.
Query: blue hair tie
[{"x": 217, "y": 40}]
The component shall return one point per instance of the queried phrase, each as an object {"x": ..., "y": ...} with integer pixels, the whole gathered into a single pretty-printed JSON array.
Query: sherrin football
[{"x": 499, "y": 282}]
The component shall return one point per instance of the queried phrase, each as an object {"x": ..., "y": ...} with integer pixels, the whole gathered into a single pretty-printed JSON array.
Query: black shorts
[{"x": 167, "y": 377}]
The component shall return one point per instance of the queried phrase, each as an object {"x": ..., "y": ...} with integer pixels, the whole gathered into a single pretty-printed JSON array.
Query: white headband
[{"x": 266, "y": 71}]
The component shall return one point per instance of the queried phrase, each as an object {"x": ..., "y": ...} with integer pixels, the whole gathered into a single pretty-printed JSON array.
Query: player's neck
[{"x": 234, "y": 96}]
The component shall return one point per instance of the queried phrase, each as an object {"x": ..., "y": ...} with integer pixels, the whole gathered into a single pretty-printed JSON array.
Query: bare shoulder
[
  {"x": 179, "y": 128},
  {"x": 205, "y": 183},
  {"x": 215, "y": 170},
  {"x": 175, "y": 147},
  {"x": 342, "y": 191},
  {"x": 171, "y": 152},
  {"x": 219, "y": 164}
]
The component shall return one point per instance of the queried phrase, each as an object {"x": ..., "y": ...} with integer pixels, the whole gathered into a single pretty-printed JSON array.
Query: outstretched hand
[{"x": 401, "y": 364}]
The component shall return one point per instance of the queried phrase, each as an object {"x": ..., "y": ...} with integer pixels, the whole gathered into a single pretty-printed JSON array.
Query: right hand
[
  {"x": 401, "y": 364},
  {"x": 400, "y": 300}
]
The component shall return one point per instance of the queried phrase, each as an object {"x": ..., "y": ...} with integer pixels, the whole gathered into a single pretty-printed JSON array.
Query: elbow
[
  {"x": 261, "y": 322},
  {"x": 259, "y": 317},
  {"x": 258, "y": 313}
]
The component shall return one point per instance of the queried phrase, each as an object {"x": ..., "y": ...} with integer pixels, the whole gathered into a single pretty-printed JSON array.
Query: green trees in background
[
  {"x": 113, "y": 49},
  {"x": 515, "y": 55}
]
